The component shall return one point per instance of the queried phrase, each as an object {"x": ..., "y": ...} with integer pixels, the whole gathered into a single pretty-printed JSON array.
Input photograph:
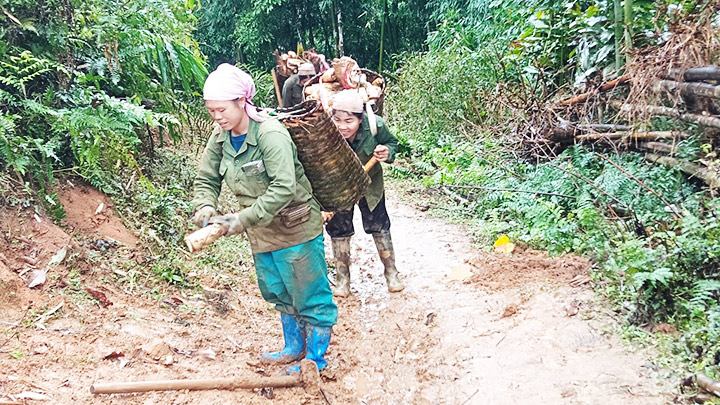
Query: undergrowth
[{"x": 655, "y": 246}]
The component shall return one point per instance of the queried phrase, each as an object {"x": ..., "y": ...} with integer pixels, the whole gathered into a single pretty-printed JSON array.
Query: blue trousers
[{"x": 295, "y": 280}]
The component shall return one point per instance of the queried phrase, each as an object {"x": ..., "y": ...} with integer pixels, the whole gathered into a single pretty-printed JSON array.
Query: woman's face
[
  {"x": 347, "y": 123},
  {"x": 228, "y": 114}
]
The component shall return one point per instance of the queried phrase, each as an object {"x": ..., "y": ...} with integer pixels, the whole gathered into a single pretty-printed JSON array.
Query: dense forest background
[{"x": 106, "y": 90}]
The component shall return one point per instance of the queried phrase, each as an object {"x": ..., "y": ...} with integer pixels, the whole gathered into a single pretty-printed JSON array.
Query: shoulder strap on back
[{"x": 372, "y": 118}]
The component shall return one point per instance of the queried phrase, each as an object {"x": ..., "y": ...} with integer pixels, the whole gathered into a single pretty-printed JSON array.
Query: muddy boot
[
  {"x": 294, "y": 334},
  {"x": 341, "y": 251},
  {"x": 318, "y": 340},
  {"x": 383, "y": 241}
]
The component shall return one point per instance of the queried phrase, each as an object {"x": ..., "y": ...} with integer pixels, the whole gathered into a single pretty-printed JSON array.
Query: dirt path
[{"x": 470, "y": 328}]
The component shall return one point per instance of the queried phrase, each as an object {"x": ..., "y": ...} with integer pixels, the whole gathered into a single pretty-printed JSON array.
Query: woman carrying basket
[
  {"x": 258, "y": 161},
  {"x": 354, "y": 126}
]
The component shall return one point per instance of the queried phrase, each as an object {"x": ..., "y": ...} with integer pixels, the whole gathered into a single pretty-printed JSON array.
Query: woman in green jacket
[
  {"x": 258, "y": 161},
  {"x": 354, "y": 126}
]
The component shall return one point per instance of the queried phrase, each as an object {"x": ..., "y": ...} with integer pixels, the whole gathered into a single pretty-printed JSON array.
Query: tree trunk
[
  {"x": 382, "y": 35},
  {"x": 340, "y": 43},
  {"x": 308, "y": 18},
  {"x": 618, "y": 35},
  {"x": 394, "y": 30},
  {"x": 326, "y": 35},
  {"x": 333, "y": 22}
]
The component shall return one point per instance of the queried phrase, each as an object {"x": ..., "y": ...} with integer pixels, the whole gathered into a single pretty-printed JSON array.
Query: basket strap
[{"x": 372, "y": 118}]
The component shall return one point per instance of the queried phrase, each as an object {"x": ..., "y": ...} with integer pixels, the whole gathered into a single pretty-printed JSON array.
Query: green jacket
[
  {"x": 277, "y": 180},
  {"x": 364, "y": 145}
]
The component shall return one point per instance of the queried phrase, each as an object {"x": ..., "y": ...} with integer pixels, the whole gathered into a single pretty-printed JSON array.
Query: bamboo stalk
[
  {"x": 572, "y": 129},
  {"x": 605, "y": 87},
  {"x": 692, "y": 169},
  {"x": 278, "y": 93},
  {"x": 696, "y": 74},
  {"x": 604, "y": 127},
  {"x": 617, "y": 9},
  {"x": 709, "y": 121},
  {"x": 658, "y": 147},
  {"x": 632, "y": 135},
  {"x": 693, "y": 88},
  {"x": 308, "y": 378},
  {"x": 207, "y": 384}
]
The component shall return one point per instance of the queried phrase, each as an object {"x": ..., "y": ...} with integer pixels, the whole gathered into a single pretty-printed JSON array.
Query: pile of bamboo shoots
[
  {"x": 288, "y": 63},
  {"x": 345, "y": 74}
]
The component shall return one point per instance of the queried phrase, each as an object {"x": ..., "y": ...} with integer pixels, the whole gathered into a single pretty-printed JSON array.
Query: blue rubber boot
[
  {"x": 294, "y": 333},
  {"x": 318, "y": 340}
]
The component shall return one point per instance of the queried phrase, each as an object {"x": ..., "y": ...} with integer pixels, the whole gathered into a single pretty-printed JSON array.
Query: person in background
[
  {"x": 353, "y": 125},
  {"x": 258, "y": 162},
  {"x": 292, "y": 91}
]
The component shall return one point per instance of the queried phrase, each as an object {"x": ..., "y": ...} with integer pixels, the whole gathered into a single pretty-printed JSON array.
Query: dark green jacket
[
  {"x": 364, "y": 146},
  {"x": 278, "y": 183}
]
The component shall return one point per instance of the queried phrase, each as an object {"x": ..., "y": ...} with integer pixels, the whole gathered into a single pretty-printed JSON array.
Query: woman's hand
[
  {"x": 203, "y": 215},
  {"x": 381, "y": 153}
]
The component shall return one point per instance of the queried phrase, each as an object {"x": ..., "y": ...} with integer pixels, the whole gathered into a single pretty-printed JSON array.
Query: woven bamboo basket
[
  {"x": 335, "y": 173},
  {"x": 377, "y": 107}
]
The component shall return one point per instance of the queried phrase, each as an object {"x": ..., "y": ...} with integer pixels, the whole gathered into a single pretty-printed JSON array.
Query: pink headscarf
[{"x": 227, "y": 83}]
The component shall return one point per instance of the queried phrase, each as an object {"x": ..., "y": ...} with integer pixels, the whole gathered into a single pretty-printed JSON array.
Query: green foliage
[
  {"x": 171, "y": 269},
  {"x": 83, "y": 113},
  {"x": 434, "y": 98},
  {"x": 264, "y": 86},
  {"x": 264, "y": 26}
]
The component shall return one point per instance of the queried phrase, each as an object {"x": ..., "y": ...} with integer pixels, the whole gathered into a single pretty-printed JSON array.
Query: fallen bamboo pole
[
  {"x": 309, "y": 378},
  {"x": 708, "y": 384},
  {"x": 571, "y": 130},
  {"x": 668, "y": 112},
  {"x": 605, "y": 87},
  {"x": 697, "y": 74},
  {"x": 692, "y": 169},
  {"x": 692, "y": 88},
  {"x": 658, "y": 147},
  {"x": 632, "y": 135},
  {"x": 604, "y": 127}
]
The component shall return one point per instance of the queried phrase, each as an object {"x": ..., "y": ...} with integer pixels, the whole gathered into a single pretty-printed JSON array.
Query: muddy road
[{"x": 470, "y": 328}]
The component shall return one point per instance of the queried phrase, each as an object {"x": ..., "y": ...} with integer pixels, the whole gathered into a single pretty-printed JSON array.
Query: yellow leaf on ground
[{"x": 503, "y": 245}]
